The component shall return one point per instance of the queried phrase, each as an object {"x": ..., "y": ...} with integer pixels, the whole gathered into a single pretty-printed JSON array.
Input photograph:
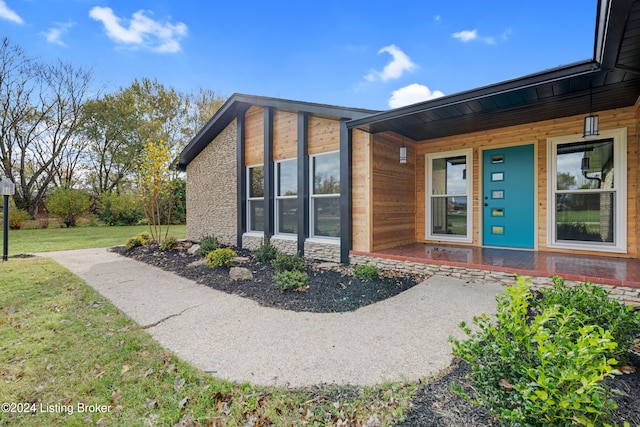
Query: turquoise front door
[{"x": 508, "y": 197}]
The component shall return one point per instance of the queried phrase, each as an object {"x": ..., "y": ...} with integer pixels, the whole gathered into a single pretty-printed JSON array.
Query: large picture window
[
  {"x": 588, "y": 200},
  {"x": 449, "y": 189},
  {"x": 287, "y": 197},
  {"x": 325, "y": 195},
  {"x": 255, "y": 198}
]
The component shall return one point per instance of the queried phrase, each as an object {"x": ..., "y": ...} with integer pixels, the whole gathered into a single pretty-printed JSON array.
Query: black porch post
[
  {"x": 269, "y": 193},
  {"x": 242, "y": 181},
  {"x": 345, "y": 192},
  {"x": 303, "y": 180}
]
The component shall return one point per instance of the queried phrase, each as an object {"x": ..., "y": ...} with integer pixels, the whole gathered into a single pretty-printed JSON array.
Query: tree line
[{"x": 57, "y": 130}]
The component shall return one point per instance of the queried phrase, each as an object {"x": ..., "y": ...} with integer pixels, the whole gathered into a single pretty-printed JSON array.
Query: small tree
[
  {"x": 68, "y": 204},
  {"x": 155, "y": 187}
]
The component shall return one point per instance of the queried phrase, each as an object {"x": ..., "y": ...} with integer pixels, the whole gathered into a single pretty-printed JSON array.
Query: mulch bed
[{"x": 333, "y": 289}]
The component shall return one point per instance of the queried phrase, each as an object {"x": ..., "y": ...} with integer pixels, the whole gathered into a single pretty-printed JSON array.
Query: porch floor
[{"x": 614, "y": 271}]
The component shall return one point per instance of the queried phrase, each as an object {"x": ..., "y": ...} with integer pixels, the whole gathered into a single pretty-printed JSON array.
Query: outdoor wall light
[
  {"x": 403, "y": 154},
  {"x": 591, "y": 127},
  {"x": 591, "y": 121}
]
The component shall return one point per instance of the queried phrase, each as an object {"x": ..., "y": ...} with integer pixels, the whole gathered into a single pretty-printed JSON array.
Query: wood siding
[
  {"x": 393, "y": 192},
  {"x": 324, "y": 135},
  {"x": 536, "y": 133},
  {"x": 254, "y": 136},
  {"x": 361, "y": 191},
  {"x": 285, "y": 135}
]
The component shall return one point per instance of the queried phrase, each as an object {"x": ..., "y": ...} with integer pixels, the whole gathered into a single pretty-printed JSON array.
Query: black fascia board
[{"x": 532, "y": 80}]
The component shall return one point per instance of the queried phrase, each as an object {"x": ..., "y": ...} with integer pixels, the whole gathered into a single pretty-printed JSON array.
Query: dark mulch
[
  {"x": 335, "y": 290},
  {"x": 331, "y": 289}
]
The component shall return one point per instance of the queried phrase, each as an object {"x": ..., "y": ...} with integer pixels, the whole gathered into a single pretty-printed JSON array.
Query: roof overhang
[{"x": 611, "y": 80}]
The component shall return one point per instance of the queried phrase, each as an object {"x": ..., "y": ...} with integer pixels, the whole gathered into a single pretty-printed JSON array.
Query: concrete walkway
[{"x": 404, "y": 337}]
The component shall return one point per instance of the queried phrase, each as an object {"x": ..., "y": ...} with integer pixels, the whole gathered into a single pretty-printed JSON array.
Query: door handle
[{"x": 486, "y": 204}]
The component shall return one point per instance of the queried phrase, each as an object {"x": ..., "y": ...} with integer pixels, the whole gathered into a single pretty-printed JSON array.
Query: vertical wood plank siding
[
  {"x": 361, "y": 190},
  {"x": 324, "y": 135},
  {"x": 254, "y": 136},
  {"x": 393, "y": 190},
  {"x": 285, "y": 128}
]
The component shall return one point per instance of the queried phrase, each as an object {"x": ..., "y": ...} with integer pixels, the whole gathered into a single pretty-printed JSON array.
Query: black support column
[
  {"x": 345, "y": 192},
  {"x": 269, "y": 190},
  {"x": 242, "y": 181},
  {"x": 303, "y": 180}
]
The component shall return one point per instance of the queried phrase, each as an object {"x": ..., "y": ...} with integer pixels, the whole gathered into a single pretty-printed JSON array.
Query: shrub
[
  {"x": 168, "y": 244},
  {"x": 595, "y": 307},
  {"x": 266, "y": 252},
  {"x": 43, "y": 222},
  {"x": 284, "y": 262},
  {"x": 221, "y": 257},
  {"x": 18, "y": 218},
  {"x": 208, "y": 244},
  {"x": 541, "y": 370},
  {"x": 366, "y": 272},
  {"x": 119, "y": 209},
  {"x": 290, "y": 280},
  {"x": 138, "y": 240},
  {"x": 68, "y": 204}
]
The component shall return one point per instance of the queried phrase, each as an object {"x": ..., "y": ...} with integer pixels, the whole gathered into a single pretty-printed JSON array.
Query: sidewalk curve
[{"x": 401, "y": 338}]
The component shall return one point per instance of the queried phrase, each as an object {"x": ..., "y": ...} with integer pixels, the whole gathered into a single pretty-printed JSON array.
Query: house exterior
[{"x": 506, "y": 165}]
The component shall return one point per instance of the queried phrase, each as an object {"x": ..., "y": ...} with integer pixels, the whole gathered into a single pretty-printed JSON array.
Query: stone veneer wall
[
  {"x": 622, "y": 293},
  {"x": 285, "y": 246},
  {"x": 251, "y": 242},
  {"x": 322, "y": 251},
  {"x": 211, "y": 190}
]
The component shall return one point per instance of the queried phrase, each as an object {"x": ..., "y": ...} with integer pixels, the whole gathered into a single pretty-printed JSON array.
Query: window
[
  {"x": 449, "y": 188},
  {"x": 588, "y": 192},
  {"x": 286, "y": 197},
  {"x": 255, "y": 198},
  {"x": 325, "y": 195}
]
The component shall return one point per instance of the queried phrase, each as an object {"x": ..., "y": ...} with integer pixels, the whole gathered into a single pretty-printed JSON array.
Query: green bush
[
  {"x": 266, "y": 252},
  {"x": 366, "y": 272},
  {"x": 138, "y": 240},
  {"x": 221, "y": 257},
  {"x": 18, "y": 218},
  {"x": 207, "y": 244},
  {"x": 284, "y": 262},
  {"x": 595, "y": 307},
  {"x": 68, "y": 204},
  {"x": 290, "y": 280},
  {"x": 168, "y": 244},
  {"x": 542, "y": 370},
  {"x": 119, "y": 209}
]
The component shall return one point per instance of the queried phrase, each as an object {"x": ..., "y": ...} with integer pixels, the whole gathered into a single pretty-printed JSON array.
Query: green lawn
[
  {"x": 58, "y": 239},
  {"x": 69, "y": 357}
]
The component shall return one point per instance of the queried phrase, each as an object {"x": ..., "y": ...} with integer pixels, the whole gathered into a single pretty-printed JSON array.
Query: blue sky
[{"x": 366, "y": 54}]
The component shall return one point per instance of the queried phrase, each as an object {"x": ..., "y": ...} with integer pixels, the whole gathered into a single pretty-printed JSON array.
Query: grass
[
  {"x": 63, "y": 348},
  {"x": 26, "y": 241}
]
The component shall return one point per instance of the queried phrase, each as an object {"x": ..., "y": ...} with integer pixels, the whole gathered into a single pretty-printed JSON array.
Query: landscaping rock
[
  {"x": 193, "y": 249},
  {"x": 241, "y": 259},
  {"x": 197, "y": 263},
  {"x": 240, "y": 274}
]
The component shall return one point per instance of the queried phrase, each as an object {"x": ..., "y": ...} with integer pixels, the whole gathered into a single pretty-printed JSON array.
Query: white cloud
[
  {"x": 399, "y": 64},
  {"x": 412, "y": 94},
  {"x": 466, "y": 35},
  {"x": 142, "y": 31},
  {"x": 54, "y": 34},
  {"x": 470, "y": 35},
  {"x": 8, "y": 14}
]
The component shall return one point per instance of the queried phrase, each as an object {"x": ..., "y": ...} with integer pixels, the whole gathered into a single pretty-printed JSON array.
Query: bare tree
[{"x": 41, "y": 108}]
